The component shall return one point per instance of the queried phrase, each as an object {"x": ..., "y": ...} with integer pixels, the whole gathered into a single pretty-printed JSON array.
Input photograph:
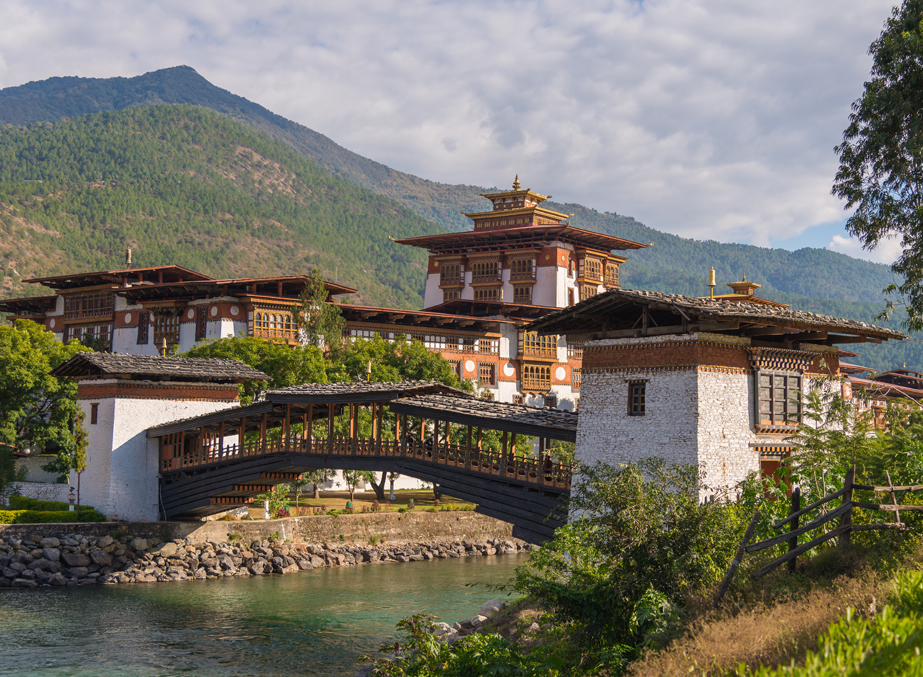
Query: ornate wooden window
[
  {"x": 779, "y": 398},
  {"x": 517, "y": 399},
  {"x": 201, "y": 322},
  {"x": 591, "y": 269},
  {"x": 522, "y": 269},
  {"x": 536, "y": 378},
  {"x": 551, "y": 401},
  {"x": 144, "y": 326},
  {"x": 166, "y": 328},
  {"x": 487, "y": 374},
  {"x": 485, "y": 271},
  {"x": 637, "y": 396},
  {"x": 99, "y": 333},
  {"x": 588, "y": 291},
  {"x": 451, "y": 295},
  {"x": 87, "y": 305},
  {"x": 450, "y": 274},
  {"x": 457, "y": 368},
  {"x": 274, "y": 324},
  {"x": 575, "y": 351},
  {"x": 535, "y": 345},
  {"x": 612, "y": 275},
  {"x": 575, "y": 376},
  {"x": 487, "y": 294},
  {"x": 522, "y": 294}
]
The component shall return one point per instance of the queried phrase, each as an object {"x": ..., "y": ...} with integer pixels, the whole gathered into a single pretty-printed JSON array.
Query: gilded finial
[{"x": 516, "y": 183}]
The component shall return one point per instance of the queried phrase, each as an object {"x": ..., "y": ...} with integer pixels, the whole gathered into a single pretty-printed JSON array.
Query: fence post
[
  {"x": 793, "y": 541},
  {"x": 846, "y": 518},
  {"x": 723, "y": 588},
  {"x": 897, "y": 513}
]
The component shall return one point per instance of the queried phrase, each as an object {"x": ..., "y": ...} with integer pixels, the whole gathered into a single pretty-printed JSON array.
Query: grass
[
  {"x": 336, "y": 500},
  {"x": 775, "y": 620}
]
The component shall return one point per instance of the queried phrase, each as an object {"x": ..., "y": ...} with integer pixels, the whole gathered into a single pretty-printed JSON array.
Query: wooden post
[
  {"x": 479, "y": 439},
  {"x": 221, "y": 441},
  {"x": 240, "y": 435},
  {"x": 398, "y": 432},
  {"x": 309, "y": 429},
  {"x": 353, "y": 427},
  {"x": 287, "y": 426},
  {"x": 846, "y": 518},
  {"x": 723, "y": 588},
  {"x": 793, "y": 526},
  {"x": 379, "y": 410},
  {"x": 897, "y": 513},
  {"x": 468, "y": 451},
  {"x": 445, "y": 446},
  {"x": 513, "y": 444},
  {"x": 331, "y": 408},
  {"x": 503, "y": 453},
  {"x": 263, "y": 425}
]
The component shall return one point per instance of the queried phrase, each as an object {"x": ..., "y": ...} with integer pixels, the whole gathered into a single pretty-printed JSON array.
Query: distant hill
[
  {"x": 183, "y": 184},
  {"x": 811, "y": 279}
]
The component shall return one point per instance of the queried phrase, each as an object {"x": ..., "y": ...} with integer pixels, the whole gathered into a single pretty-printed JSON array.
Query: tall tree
[
  {"x": 881, "y": 156},
  {"x": 319, "y": 322},
  {"x": 8, "y": 471},
  {"x": 35, "y": 406}
]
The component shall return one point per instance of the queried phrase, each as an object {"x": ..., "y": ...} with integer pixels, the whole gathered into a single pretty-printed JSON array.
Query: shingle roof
[
  {"x": 85, "y": 365},
  {"x": 592, "y": 314},
  {"x": 516, "y": 418},
  {"x": 358, "y": 391}
]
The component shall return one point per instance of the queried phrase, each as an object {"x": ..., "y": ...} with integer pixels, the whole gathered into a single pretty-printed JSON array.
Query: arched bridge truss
[{"x": 428, "y": 431}]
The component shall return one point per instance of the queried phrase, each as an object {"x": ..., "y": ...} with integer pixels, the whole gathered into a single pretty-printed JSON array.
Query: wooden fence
[{"x": 842, "y": 515}]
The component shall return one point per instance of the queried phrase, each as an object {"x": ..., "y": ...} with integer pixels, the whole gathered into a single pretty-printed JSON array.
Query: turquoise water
[{"x": 309, "y": 623}]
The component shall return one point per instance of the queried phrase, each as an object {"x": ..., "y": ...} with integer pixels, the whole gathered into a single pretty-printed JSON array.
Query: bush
[
  {"x": 49, "y": 516},
  {"x": 23, "y": 503}
]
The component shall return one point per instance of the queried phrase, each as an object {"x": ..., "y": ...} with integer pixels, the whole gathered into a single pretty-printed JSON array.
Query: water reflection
[{"x": 312, "y": 623}]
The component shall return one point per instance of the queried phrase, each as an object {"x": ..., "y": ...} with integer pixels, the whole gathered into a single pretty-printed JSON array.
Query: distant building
[
  {"x": 707, "y": 381},
  {"x": 520, "y": 262}
]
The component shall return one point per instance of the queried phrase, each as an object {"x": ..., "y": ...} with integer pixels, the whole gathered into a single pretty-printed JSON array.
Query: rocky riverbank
[{"x": 75, "y": 559}]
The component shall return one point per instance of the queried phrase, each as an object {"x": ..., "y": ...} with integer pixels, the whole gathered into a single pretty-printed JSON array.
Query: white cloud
[
  {"x": 708, "y": 118},
  {"x": 888, "y": 251}
]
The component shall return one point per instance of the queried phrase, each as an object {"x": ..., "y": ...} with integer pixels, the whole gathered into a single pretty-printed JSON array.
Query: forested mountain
[
  {"x": 185, "y": 185},
  {"x": 811, "y": 279}
]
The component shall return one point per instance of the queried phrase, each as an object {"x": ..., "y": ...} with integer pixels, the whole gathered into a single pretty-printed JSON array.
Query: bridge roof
[
  {"x": 514, "y": 418},
  {"x": 150, "y": 367},
  {"x": 278, "y": 404}
]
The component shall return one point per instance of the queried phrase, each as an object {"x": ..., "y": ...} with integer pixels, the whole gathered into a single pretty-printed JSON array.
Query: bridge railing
[{"x": 525, "y": 469}]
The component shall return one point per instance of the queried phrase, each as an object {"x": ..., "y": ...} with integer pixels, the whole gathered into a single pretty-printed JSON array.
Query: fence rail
[
  {"x": 510, "y": 466},
  {"x": 843, "y": 513}
]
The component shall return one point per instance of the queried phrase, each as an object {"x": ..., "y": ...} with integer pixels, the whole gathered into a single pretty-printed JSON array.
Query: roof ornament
[
  {"x": 516, "y": 183},
  {"x": 711, "y": 282}
]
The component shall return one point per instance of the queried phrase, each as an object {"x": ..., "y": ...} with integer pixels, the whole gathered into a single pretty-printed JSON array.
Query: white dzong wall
[{"x": 121, "y": 479}]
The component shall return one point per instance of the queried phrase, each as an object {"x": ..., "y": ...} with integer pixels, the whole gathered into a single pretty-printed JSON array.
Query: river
[{"x": 309, "y": 623}]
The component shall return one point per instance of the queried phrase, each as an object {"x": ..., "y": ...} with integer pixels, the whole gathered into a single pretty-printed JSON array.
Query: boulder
[
  {"x": 76, "y": 559},
  {"x": 51, "y": 553},
  {"x": 139, "y": 544},
  {"x": 258, "y": 568},
  {"x": 104, "y": 541},
  {"x": 57, "y": 579},
  {"x": 165, "y": 550},
  {"x": 49, "y": 542},
  {"x": 79, "y": 572},
  {"x": 101, "y": 558},
  {"x": 24, "y": 583},
  {"x": 491, "y": 608}
]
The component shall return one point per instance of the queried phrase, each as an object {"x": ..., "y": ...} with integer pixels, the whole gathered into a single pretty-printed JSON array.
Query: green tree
[
  {"x": 35, "y": 406},
  {"x": 353, "y": 477},
  {"x": 8, "y": 471},
  {"x": 284, "y": 364},
  {"x": 881, "y": 156},
  {"x": 319, "y": 322},
  {"x": 318, "y": 477},
  {"x": 298, "y": 486}
]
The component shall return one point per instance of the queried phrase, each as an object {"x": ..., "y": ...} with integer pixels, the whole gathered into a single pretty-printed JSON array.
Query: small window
[
  {"x": 551, "y": 402},
  {"x": 570, "y": 297},
  {"x": 144, "y": 323},
  {"x": 517, "y": 399},
  {"x": 779, "y": 398},
  {"x": 450, "y": 295},
  {"x": 94, "y": 413},
  {"x": 522, "y": 295},
  {"x": 201, "y": 323},
  {"x": 636, "y": 398},
  {"x": 575, "y": 375},
  {"x": 487, "y": 375}
]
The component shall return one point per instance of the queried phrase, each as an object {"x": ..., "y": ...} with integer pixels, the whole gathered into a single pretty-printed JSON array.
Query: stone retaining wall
[
  {"x": 409, "y": 527},
  {"x": 42, "y": 491}
]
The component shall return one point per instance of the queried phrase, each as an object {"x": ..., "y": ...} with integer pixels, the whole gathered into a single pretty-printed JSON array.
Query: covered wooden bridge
[{"x": 425, "y": 430}]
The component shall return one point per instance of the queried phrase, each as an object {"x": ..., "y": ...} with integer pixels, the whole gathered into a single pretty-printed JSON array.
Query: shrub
[
  {"x": 376, "y": 506},
  {"x": 9, "y": 516},
  {"x": 24, "y": 503},
  {"x": 49, "y": 517}
]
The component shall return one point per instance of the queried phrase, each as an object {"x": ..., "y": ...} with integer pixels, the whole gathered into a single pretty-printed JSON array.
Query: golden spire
[{"x": 516, "y": 183}]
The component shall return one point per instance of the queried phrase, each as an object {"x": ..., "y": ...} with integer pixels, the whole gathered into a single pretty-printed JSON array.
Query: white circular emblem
[
  {"x": 127, "y": 318},
  {"x": 51, "y": 323},
  {"x": 469, "y": 365},
  {"x": 234, "y": 310},
  {"x": 509, "y": 369},
  {"x": 559, "y": 373},
  {"x": 214, "y": 310},
  {"x": 190, "y": 314}
]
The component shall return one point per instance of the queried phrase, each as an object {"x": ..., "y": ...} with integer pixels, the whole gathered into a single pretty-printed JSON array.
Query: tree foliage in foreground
[{"x": 881, "y": 156}]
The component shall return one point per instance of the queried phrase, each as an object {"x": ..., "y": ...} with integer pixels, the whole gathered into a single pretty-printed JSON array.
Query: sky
[{"x": 710, "y": 119}]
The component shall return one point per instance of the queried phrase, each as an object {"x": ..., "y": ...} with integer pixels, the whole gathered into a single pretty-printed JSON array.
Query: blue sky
[{"x": 706, "y": 118}]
